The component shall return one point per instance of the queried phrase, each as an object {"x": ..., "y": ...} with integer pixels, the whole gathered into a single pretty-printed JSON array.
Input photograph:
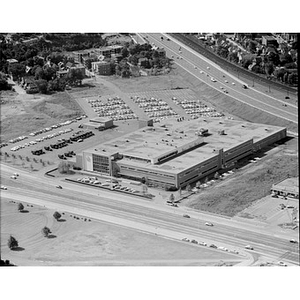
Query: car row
[
  {"x": 155, "y": 108},
  {"x": 3, "y": 145},
  {"x": 113, "y": 107},
  {"x": 193, "y": 241},
  {"x": 196, "y": 109},
  {"x": 47, "y": 137},
  {"x": 113, "y": 183},
  {"x": 57, "y": 126}
]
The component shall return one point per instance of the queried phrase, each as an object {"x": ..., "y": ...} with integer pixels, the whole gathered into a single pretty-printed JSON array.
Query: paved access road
[
  {"x": 144, "y": 215},
  {"x": 203, "y": 69}
]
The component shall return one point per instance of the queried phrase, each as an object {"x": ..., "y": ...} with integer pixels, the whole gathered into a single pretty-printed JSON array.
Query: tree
[
  {"x": 42, "y": 86},
  {"x": 188, "y": 188},
  {"x": 56, "y": 215},
  {"x": 172, "y": 198},
  {"x": 12, "y": 243},
  {"x": 46, "y": 231},
  {"x": 217, "y": 175},
  {"x": 198, "y": 183},
  {"x": 64, "y": 168},
  {"x": 20, "y": 207}
]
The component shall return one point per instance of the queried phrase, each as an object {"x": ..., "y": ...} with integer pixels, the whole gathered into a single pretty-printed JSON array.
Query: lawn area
[{"x": 76, "y": 241}]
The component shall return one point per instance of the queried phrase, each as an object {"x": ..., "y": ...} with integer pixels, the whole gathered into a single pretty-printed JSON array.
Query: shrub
[
  {"x": 57, "y": 215},
  {"x": 12, "y": 243}
]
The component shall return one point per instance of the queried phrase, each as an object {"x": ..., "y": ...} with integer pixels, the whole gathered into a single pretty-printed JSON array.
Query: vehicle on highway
[
  {"x": 185, "y": 240},
  {"x": 59, "y": 187},
  {"x": 16, "y": 174},
  {"x": 293, "y": 241},
  {"x": 194, "y": 242},
  {"x": 209, "y": 224},
  {"x": 225, "y": 91},
  {"x": 213, "y": 246},
  {"x": 13, "y": 177},
  {"x": 3, "y": 187},
  {"x": 195, "y": 67},
  {"x": 207, "y": 68},
  {"x": 201, "y": 72},
  {"x": 213, "y": 80},
  {"x": 186, "y": 216},
  {"x": 249, "y": 247},
  {"x": 168, "y": 39},
  {"x": 245, "y": 86},
  {"x": 226, "y": 81},
  {"x": 281, "y": 263}
]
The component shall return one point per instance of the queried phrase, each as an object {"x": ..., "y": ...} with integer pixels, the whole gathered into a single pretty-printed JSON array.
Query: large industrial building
[{"x": 179, "y": 153}]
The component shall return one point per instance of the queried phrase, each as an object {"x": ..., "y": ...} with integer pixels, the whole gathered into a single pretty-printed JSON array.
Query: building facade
[{"x": 170, "y": 156}]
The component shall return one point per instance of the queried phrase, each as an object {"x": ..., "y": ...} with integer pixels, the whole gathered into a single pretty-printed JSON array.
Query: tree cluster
[{"x": 280, "y": 63}]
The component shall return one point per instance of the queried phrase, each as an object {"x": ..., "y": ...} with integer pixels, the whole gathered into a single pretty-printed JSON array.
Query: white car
[
  {"x": 13, "y": 177},
  {"x": 207, "y": 68},
  {"x": 226, "y": 81},
  {"x": 16, "y": 174},
  {"x": 209, "y": 224},
  {"x": 3, "y": 187},
  {"x": 249, "y": 247},
  {"x": 213, "y": 80}
]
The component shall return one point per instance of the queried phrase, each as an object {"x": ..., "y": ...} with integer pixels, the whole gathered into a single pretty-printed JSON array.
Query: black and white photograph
[{"x": 161, "y": 146}]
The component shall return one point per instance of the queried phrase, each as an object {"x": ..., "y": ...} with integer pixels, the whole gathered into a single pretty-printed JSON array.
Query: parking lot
[{"x": 55, "y": 141}]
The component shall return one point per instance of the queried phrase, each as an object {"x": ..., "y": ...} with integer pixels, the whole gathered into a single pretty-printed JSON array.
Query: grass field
[
  {"x": 22, "y": 114},
  {"x": 248, "y": 184},
  {"x": 76, "y": 242}
]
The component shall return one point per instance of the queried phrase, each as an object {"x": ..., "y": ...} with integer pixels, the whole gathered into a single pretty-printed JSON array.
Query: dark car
[
  {"x": 186, "y": 216},
  {"x": 59, "y": 187}
]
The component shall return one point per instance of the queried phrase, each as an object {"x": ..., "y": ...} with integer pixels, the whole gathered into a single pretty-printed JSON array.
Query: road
[
  {"x": 146, "y": 216},
  {"x": 193, "y": 63}
]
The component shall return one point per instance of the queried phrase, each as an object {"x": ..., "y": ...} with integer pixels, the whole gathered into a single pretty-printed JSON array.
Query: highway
[
  {"x": 194, "y": 64},
  {"x": 144, "y": 215}
]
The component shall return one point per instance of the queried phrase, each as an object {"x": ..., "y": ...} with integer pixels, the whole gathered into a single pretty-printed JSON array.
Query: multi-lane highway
[
  {"x": 144, "y": 215},
  {"x": 204, "y": 70}
]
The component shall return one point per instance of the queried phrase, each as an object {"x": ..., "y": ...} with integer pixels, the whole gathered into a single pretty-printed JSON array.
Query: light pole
[{"x": 110, "y": 170}]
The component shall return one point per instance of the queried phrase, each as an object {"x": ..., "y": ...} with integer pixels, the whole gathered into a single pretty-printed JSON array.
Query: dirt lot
[{"x": 79, "y": 242}]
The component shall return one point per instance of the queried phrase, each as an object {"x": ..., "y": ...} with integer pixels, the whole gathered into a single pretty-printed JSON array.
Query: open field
[
  {"x": 22, "y": 114},
  {"x": 77, "y": 242},
  {"x": 249, "y": 183}
]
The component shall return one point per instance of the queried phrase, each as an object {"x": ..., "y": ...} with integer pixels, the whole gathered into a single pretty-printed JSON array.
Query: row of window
[
  {"x": 147, "y": 172},
  {"x": 137, "y": 158}
]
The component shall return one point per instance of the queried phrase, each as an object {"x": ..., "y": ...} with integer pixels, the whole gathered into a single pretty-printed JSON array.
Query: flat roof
[
  {"x": 152, "y": 142},
  {"x": 100, "y": 119}
]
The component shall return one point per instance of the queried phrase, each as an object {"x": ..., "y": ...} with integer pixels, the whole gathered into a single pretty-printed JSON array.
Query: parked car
[
  {"x": 3, "y": 187},
  {"x": 186, "y": 216}
]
